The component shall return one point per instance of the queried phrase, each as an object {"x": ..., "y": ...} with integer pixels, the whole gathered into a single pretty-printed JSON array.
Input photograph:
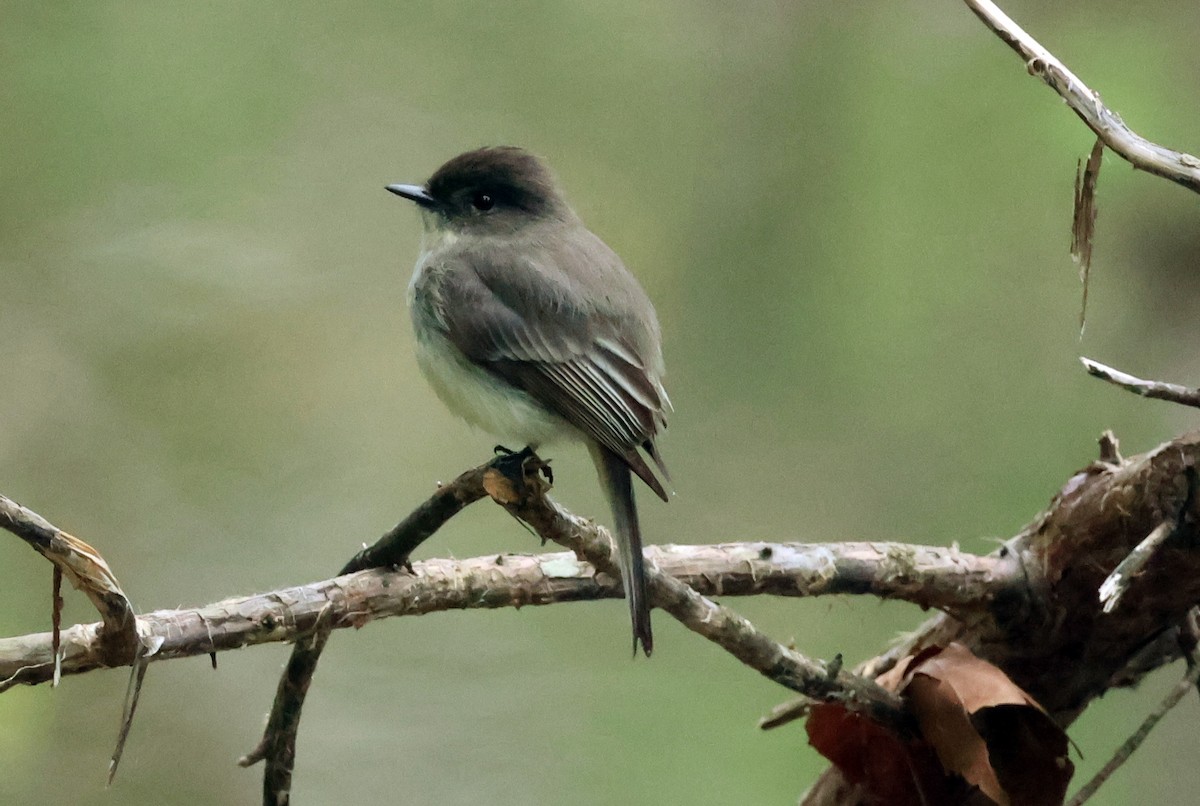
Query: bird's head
[{"x": 495, "y": 189}]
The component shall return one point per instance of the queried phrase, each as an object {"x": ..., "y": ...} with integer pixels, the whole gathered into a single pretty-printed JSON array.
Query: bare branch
[
  {"x": 929, "y": 576},
  {"x": 1157, "y": 390},
  {"x": 1179, "y": 167},
  {"x": 516, "y": 482},
  {"x": 720, "y": 625}
]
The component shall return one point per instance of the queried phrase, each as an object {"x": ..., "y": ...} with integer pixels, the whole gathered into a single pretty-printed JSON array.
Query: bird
[{"x": 530, "y": 327}]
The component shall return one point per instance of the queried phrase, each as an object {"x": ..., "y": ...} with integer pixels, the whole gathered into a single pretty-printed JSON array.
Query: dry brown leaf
[
  {"x": 887, "y": 768},
  {"x": 984, "y": 727},
  {"x": 500, "y": 487},
  {"x": 947, "y": 726},
  {"x": 977, "y": 683}
]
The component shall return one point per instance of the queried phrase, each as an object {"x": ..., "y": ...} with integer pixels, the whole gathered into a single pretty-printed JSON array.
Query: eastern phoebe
[{"x": 528, "y": 326}]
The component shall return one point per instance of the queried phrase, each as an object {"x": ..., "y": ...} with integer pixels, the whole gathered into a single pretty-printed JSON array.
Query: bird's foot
[{"x": 521, "y": 469}]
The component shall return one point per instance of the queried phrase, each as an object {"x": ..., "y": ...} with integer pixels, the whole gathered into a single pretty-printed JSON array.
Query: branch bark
[{"x": 929, "y": 576}]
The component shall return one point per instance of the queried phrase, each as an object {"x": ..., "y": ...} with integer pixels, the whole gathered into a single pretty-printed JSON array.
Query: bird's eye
[{"x": 483, "y": 202}]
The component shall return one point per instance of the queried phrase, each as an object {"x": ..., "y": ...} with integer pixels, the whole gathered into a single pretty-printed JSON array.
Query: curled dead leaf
[
  {"x": 984, "y": 727},
  {"x": 500, "y": 487},
  {"x": 886, "y": 768},
  {"x": 983, "y": 739}
]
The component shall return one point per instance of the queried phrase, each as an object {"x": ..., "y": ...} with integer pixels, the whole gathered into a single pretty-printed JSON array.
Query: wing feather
[{"x": 598, "y": 367}]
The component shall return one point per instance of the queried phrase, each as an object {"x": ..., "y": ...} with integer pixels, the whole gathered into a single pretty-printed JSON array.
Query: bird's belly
[{"x": 484, "y": 400}]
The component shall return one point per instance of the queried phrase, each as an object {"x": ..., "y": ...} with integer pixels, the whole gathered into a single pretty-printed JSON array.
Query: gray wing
[{"x": 597, "y": 365}]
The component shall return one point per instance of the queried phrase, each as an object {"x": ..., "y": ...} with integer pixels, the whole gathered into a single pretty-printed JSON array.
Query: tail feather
[
  {"x": 652, "y": 449},
  {"x": 617, "y": 481},
  {"x": 632, "y": 460}
]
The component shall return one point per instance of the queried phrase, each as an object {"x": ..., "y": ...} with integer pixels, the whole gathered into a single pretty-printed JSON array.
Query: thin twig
[
  {"x": 1130, "y": 746},
  {"x": 1179, "y": 167},
  {"x": 56, "y": 606},
  {"x": 278, "y": 744},
  {"x": 393, "y": 549},
  {"x": 1157, "y": 390},
  {"x": 722, "y": 626},
  {"x": 1122, "y": 576}
]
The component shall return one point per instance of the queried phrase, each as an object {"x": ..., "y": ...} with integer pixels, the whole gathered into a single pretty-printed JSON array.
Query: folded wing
[{"x": 597, "y": 371}]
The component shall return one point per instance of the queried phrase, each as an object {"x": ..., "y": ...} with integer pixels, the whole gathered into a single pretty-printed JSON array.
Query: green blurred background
[{"x": 853, "y": 219}]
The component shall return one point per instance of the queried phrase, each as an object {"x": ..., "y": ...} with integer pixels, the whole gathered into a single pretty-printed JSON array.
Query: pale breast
[
  {"x": 484, "y": 400},
  {"x": 468, "y": 390}
]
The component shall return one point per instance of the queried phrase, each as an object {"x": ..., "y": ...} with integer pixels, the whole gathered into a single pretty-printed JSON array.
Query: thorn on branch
[{"x": 833, "y": 667}]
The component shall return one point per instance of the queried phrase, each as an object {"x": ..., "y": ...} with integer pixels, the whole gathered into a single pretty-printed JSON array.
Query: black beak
[{"x": 414, "y": 193}]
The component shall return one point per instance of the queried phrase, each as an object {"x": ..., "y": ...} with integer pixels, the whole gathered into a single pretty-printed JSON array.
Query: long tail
[{"x": 617, "y": 482}]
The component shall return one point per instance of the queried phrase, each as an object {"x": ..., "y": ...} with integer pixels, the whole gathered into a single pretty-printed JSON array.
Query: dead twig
[
  {"x": 1157, "y": 390},
  {"x": 722, "y": 626},
  {"x": 1179, "y": 167},
  {"x": 1131, "y": 745}
]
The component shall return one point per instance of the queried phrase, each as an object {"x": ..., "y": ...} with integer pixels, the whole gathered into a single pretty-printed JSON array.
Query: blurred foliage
[{"x": 853, "y": 220}]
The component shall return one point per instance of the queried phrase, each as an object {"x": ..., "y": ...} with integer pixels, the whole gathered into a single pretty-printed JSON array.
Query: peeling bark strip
[
  {"x": 1083, "y": 227},
  {"x": 1061, "y": 647}
]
